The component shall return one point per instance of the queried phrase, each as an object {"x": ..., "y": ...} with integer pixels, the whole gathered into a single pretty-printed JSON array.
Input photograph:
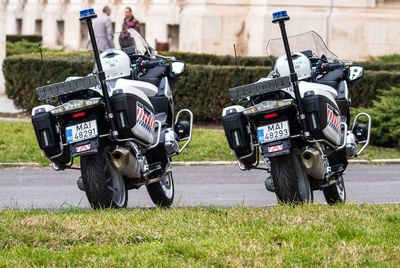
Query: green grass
[
  {"x": 316, "y": 235},
  {"x": 18, "y": 144},
  {"x": 207, "y": 145}
]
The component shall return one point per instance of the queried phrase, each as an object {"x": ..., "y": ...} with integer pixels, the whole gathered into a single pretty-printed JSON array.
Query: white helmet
[
  {"x": 302, "y": 65},
  {"x": 116, "y": 63}
]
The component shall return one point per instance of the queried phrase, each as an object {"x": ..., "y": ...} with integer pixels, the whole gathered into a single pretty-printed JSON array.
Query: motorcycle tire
[
  {"x": 104, "y": 186},
  {"x": 162, "y": 191},
  {"x": 335, "y": 193},
  {"x": 291, "y": 182}
]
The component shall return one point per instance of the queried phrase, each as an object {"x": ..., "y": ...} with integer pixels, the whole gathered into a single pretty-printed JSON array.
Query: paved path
[
  {"x": 217, "y": 186},
  {"x": 7, "y": 105}
]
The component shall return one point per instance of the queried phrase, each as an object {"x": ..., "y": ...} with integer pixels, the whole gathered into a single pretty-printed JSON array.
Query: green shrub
[
  {"x": 19, "y": 37},
  {"x": 23, "y": 73},
  {"x": 384, "y": 113},
  {"x": 380, "y": 66},
  {"x": 386, "y": 58},
  {"x": 367, "y": 89},
  {"x": 203, "y": 88}
]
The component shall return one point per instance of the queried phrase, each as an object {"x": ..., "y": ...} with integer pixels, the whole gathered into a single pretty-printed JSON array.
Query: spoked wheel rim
[
  {"x": 116, "y": 184},
  {"x": 167, "y": 184},
  {"x": 341, "y": 188}
]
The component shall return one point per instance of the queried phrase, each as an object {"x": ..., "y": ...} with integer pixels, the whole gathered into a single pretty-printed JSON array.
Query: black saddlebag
[
  {"x": 235, "y": 126},
  {"x": 134, "y": 116},
  {"x": 44, "y": 124}
]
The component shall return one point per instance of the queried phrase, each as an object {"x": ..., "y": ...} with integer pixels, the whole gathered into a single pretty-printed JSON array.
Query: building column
[{"x": 2, "y": 46}]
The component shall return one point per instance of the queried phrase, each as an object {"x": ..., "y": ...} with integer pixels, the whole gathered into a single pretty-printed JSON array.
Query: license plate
[
  {"x": 273, "y": 132},
  {"x": 82, "y": 131}
]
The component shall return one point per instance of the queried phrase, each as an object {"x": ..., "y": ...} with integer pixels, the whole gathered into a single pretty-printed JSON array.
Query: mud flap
[
  {"x": 85, "y": 147},
  {"x": 275, "y": 148}
]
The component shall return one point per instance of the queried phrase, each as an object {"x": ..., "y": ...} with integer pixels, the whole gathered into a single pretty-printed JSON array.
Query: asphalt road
[{"x": 194, "y": 186}]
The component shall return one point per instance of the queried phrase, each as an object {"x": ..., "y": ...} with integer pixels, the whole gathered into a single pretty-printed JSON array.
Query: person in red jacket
[{"x": 129, "y": 22}]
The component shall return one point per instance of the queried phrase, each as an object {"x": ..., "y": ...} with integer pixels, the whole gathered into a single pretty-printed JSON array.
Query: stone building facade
[{"x": 353, "y": 29}]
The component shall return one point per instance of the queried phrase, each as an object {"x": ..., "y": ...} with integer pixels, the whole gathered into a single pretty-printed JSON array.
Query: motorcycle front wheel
[
  {"x": 335, "y": 193},
  {"x": 162, "y": 191},
  {"x": 104, "y": 186},
  {"x": 291, "y": 182}
]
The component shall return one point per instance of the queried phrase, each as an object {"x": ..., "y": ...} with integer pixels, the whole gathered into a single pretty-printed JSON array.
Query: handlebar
[
  {"x": 325, "y": 67},
  {"x": 148, "y": 64}
]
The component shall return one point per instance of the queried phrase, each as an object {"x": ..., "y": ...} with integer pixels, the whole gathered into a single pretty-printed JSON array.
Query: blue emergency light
[
  {"x": 280, "y": 16},
  {"x": 87, "y": 14}
]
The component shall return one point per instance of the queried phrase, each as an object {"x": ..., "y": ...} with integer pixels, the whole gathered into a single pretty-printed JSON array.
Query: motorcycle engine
[
  {"x": 171, "y": 143},
  {"x": 351, "y": 145}
]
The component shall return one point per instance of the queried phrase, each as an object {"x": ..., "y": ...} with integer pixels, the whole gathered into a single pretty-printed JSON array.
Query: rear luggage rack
[
  {"x": 62, "y": 88},
  {"x": 242, "y": 92}
]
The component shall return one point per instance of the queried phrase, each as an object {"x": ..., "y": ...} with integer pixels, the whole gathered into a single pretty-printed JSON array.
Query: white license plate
[
  {"x": 273, "y": 132},
  {"x": 81, "y": 132}
]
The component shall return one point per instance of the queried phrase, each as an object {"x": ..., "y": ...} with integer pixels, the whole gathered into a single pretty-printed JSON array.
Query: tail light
[
  {"x": 79, "y": 115},
  {"x": 270, "y": 115}
]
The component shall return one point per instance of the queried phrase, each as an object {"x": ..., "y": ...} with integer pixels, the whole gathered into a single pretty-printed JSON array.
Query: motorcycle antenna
[
  {"x": 280, "y": 17},
  {"x": 43, "y": 67},
  {"x": 87, "y": 15},
  {"x": 236, "y": 59}
]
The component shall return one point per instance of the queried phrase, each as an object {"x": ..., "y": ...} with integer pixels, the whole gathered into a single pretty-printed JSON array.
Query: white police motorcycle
[
  {"x": 298, "y": 119},
  {"x": 119, "y": 120}
]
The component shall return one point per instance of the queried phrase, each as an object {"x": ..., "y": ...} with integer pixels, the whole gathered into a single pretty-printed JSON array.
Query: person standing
[
  {"x": 130, "y": 21},
  {"x": 103, "y": 30}
]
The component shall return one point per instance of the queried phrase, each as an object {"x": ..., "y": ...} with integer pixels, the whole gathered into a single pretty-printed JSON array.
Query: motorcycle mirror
[
  {"x": 355, "y": 72},
  {"x": 176, "y": 68}
]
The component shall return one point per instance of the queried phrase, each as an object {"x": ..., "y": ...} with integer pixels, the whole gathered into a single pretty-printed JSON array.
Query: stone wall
[{"x": 353, "y": 29}]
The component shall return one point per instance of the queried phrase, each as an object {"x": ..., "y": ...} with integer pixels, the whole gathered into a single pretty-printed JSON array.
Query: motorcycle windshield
[
  {"x": 130, "y": 41},
  {"x": 301, "y": 42}
]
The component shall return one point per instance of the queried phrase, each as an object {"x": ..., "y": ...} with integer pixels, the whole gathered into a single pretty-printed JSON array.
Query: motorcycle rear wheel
[
  {"x": 335, "y": 193},
  {"x": 291, "y": 182},
  {"x": 104, "y": 186}
]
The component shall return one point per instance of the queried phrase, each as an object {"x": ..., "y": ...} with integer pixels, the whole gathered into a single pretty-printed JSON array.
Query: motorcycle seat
[{"x": 333, "y": 84}]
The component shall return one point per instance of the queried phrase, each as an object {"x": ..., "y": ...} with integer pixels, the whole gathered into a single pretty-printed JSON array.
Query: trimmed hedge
[
  {"x": 23, "y": 74},
  {"x": 211, "y": 59},
  {"x": 367, "y": 89},
  {"x": 19, "y": 37},
  {"x": 203, "y": 88},
  {"x": 25, "y": 47},
  {"x": 379, "y": 66}
]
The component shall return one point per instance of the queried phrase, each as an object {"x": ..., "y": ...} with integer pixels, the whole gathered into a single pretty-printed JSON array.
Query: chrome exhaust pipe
[
  {"x": 125, "y": 162},
  {"x": 313, "y": 163}
]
